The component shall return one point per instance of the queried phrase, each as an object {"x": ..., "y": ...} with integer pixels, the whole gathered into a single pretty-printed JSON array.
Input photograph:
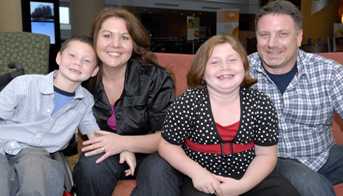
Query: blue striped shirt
[
  {"x": 305, "y": 110},
  {"x": 27, "y": 118}
]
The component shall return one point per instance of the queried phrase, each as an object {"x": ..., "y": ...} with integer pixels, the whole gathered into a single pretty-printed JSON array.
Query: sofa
[{"x": 178, "y": 65}]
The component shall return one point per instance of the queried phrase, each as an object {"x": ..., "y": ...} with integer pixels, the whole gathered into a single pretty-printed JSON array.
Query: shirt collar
[
  {"x": 301, "y": 64},
  {"x": 46, "y": 86}
]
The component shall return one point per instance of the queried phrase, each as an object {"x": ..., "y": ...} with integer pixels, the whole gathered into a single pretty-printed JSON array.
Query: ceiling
[{"x": 244, "y": 6}]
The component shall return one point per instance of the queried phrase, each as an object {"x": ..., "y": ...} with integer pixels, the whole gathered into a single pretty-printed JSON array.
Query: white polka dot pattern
[{"x": 189, "y": 117}]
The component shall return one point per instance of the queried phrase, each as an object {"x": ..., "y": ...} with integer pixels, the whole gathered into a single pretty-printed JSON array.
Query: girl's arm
[
  {"x": 175, "y": 156},
  {"x": 259, "y": 168},
  {"x": 202, "y": 179}
]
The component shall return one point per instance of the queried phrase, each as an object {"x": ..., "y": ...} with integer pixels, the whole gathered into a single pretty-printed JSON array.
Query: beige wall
[
  {"x": 82, "y": 15},
  {"x": 10, "y": 16}
]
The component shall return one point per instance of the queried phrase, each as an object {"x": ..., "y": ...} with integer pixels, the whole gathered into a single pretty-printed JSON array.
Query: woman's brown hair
[
  {"x": 140, "y": 37},
  {"x": 196, "y": 74}
]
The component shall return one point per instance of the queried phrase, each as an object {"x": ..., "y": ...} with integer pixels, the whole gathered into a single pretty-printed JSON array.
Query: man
[{"x": 306, "y": 90}]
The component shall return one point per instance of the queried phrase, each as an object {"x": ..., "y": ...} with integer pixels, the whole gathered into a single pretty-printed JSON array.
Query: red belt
[{"x": 222, "y": 148}]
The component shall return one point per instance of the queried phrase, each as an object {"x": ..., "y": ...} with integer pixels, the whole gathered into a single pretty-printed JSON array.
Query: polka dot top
[{"x": 190, "y": 117}]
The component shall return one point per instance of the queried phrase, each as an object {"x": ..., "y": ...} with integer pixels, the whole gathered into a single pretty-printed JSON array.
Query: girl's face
[
  {"x": 114, "y": 44},
  {"x": 224, "y": 71}
]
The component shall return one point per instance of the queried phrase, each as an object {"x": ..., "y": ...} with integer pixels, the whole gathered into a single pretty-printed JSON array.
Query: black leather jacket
[{"x": 141, "y": 109}]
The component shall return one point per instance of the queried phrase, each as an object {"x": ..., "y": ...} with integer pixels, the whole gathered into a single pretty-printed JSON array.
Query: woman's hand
[
  {"x": 104, "y": 142},
  {"x": 206, "y": 182},
  {"x": 130, "y": 159}
]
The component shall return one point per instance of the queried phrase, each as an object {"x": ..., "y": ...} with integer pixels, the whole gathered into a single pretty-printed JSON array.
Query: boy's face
[{"x": 77, "y": 62}]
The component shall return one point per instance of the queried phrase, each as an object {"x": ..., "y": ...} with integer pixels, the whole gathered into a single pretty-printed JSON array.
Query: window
[
  {"x": 64, "y": 15},
  {"x": 65, "y": 25}
]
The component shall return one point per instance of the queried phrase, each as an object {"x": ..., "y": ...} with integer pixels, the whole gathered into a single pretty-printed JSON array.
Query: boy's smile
[{"x": 77, "y": 63}]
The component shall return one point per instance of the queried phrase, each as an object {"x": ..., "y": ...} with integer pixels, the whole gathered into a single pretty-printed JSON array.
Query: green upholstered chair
[{"x": 28, "y": 49}]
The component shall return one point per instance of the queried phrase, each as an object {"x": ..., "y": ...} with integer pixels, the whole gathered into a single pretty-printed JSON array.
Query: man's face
[{"x": 278, "y": 40}]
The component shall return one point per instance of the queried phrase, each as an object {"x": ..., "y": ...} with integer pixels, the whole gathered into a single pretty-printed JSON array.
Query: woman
[
  {"x": 220, "y": 133},
  {"x": 131, "y": 95}
]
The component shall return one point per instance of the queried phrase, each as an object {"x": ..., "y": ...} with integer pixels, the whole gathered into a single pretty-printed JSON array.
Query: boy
[{"x": 39, "y": 115}]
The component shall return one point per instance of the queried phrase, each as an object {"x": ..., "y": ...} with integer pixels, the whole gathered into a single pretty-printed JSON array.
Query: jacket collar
[{"x": 131, "y": 81}]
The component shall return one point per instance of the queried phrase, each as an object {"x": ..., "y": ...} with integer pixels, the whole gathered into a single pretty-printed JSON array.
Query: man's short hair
[{"x": 281, "y": 7}]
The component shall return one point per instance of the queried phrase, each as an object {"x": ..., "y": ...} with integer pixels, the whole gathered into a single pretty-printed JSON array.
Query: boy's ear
[
  {"x": 95, "y": 71},
  {"x": 58, "y": 58}
]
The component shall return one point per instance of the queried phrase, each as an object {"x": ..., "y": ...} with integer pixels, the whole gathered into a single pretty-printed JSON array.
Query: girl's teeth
[
  {"x": 225, "y": 76},
  {"x": 113, "y": 53}
]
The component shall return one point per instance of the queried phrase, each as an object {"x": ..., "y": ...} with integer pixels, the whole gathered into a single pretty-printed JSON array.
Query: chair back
[{"x": 28, "y": 49}]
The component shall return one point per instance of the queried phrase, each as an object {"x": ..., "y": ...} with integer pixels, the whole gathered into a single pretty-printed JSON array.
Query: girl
[{"x": 220, "y": 133}]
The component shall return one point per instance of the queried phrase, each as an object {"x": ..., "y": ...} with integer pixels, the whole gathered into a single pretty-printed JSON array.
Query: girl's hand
[
  {"x": 228, "y": 186},
  {"x": 206, "y": 182}
]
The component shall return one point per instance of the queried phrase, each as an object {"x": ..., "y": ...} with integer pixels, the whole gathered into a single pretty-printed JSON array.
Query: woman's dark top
[{"x": 142, "y": 107}]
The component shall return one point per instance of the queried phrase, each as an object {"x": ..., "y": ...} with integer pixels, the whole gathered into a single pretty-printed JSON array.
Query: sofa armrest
[{"x": 337, "y": 128}]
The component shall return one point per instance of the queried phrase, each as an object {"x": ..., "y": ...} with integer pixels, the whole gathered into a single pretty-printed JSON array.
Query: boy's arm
[
  {"x": 91, "y": 135},
  {"x": 8, "y": 99},
  {"x": 88, "y": 125}
]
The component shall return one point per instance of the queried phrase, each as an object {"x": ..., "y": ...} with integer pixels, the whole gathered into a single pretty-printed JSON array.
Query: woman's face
[
  {"x": 114, "y": 44},
  {"x": 224, "y": 71}
]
